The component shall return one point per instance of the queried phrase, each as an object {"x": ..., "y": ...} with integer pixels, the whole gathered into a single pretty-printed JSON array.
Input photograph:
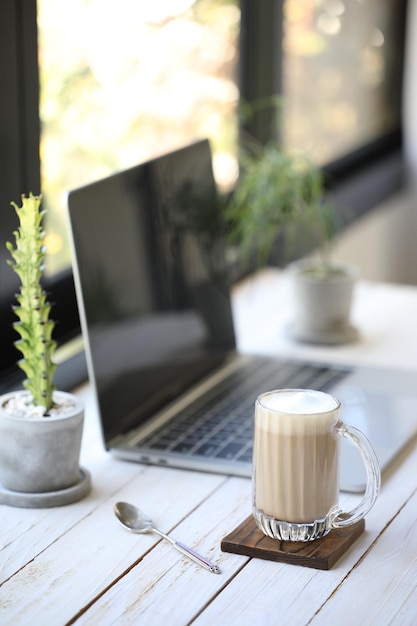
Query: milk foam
[
  {"x": 299, "y": 402},
  {"x": 296, "y": 411}
]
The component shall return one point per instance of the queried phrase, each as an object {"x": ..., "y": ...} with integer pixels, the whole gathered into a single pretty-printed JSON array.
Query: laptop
[{"x": 155, "y": 306}]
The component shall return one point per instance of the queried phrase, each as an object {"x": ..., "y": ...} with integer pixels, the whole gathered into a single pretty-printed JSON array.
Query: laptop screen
[{"x": 151, "y": 283}]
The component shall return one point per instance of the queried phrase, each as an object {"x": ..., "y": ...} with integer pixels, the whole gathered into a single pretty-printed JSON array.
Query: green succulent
[{"x": 32, "y": 310}]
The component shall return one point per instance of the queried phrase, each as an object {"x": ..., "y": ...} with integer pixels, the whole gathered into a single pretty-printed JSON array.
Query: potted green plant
[
  {"x": 280, "y": 195},
  {"x": 40, "y": 427}
]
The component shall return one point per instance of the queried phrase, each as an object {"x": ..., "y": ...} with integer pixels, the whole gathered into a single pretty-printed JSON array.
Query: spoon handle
[
  {"x": 192, "y": 554},
  {"x": 201, "y": 560}
]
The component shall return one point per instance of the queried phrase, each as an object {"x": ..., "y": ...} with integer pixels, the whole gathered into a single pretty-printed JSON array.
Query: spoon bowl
[{"x": 132, "y": 518}]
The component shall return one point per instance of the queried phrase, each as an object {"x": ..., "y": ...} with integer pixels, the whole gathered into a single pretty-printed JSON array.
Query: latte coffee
[
  {"x": 296, "y": 455},
  {"x": 295, "y": 482}
]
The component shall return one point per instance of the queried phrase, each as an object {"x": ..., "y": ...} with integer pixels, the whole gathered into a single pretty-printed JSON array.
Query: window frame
[{"x": 362, "y": 179}]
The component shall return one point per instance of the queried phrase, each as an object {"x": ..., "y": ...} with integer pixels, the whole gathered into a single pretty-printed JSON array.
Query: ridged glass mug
[{"x": 295, "y": 482}]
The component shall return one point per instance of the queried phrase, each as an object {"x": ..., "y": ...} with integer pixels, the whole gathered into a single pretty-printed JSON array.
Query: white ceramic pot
[
  {"x": 41, "y": 454},
  {"x": 322, "y": 303}
]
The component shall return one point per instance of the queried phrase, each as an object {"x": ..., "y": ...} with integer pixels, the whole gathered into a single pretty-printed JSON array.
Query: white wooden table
[{"x": 77, "y": 565}]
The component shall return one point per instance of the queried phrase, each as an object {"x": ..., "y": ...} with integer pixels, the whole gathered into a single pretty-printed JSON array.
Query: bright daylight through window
[{"x": 122, "y": 82}]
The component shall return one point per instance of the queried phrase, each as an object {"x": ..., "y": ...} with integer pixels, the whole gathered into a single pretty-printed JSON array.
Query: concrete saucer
[{"x": 49, "y": 498}]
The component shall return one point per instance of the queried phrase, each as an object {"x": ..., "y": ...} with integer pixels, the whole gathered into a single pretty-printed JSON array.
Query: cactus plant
[{"x": 33, "y": 309}]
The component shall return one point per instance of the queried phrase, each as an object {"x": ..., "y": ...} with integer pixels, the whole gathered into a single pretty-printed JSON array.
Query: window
[{"x": 338, "y": 63}]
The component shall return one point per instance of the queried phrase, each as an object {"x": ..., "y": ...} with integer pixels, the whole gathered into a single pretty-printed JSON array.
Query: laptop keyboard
[{"x": 219, "y": 424}]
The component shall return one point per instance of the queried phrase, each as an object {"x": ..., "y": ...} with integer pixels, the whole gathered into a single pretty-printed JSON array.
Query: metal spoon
[{"x": 134, "y": 520}]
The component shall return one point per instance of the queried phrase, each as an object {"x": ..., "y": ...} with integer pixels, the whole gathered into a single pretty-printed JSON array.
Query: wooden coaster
[{"x": 322, "y": 553}]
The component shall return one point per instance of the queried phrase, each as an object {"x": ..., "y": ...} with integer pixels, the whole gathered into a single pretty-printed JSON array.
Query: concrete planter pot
[
  {"x": 322, "y": 303},
  {"x": 39, "y": 456}
]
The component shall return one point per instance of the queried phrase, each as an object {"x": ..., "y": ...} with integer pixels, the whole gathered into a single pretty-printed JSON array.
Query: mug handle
[{"x": 373, "y": 475}]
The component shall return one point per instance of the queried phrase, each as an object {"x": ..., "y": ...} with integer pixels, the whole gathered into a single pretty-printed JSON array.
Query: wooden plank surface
[
  {"x": 86, "y": 558},
  {"x": 384, "y": 587}
]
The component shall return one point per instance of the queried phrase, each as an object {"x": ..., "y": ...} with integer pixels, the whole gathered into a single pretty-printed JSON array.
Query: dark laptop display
[{"x": 156, "y": 299}]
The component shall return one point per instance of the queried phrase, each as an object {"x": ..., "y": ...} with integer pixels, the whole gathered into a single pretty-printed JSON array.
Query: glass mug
[{"x": 295, "y": 481}]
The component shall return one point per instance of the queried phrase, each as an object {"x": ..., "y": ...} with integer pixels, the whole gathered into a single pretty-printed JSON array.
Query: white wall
[{"x": 384, "y": 243}]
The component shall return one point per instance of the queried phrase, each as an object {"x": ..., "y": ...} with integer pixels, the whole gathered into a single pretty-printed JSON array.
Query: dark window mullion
[
  {"x": 260, "y": 59},
  {"x": 19, "y": 155},
  {"x": 29, "y": 96}
]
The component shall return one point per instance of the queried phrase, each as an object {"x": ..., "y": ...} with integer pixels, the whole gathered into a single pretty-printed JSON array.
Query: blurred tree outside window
[{"x": 121, "y": 82}]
